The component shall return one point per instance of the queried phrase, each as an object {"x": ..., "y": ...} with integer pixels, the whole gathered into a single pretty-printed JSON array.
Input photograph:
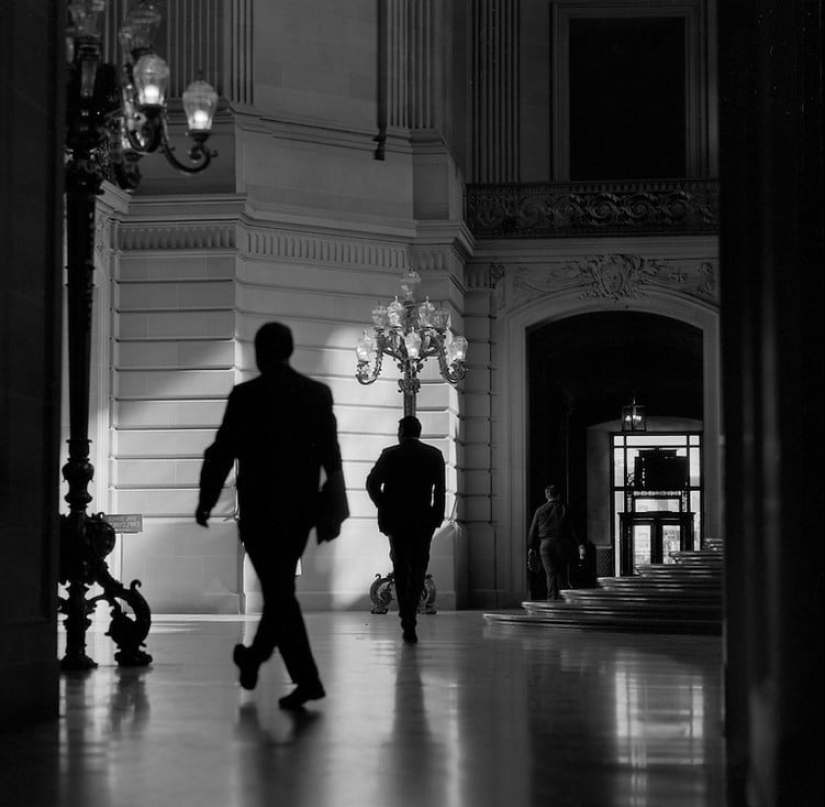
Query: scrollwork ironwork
[
  {"x": 86, "y": 541},
  {"x": 559, "y": 210},
  {"x": 381, "y": 594}
]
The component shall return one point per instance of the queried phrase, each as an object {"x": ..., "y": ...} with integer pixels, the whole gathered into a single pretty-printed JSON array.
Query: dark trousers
[
  {"x": 410, "y": 555},
  {"x": 554, "y": 560},
  {"x": 274, "y": 554}
]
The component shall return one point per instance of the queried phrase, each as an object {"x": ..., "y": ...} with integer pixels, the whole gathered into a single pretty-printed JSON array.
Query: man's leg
[
  {"x": 419, "y": 560},
  {"x": 549, "y": 561},
  {"x": 275, "y": 558},
  {"x": 282, "y": 623},
  {"x": 401, "y": 555}
]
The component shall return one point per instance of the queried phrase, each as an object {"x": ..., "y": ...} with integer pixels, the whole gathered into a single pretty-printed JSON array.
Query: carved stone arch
[{"x": 512, "y": 395}]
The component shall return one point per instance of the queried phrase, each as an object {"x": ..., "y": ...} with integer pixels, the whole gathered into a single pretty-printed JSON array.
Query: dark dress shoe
[
  {"x": 301, "y": 694},
  {"x": 247, "y": 665},
  {"x": 410, "y": 636}
]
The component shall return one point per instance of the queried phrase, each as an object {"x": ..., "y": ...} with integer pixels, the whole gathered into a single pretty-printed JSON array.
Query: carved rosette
[{"x": 616, "y": 277}]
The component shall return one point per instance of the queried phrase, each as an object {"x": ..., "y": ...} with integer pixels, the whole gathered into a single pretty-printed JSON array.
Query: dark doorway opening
[{"x": 582, "y": 370}]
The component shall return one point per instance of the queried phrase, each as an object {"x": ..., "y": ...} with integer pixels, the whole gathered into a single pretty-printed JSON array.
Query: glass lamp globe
[
  {"x": 395, "y": 310},
  {"x": 139, "y": 27},
  {"x": 199, "y": 102},
  {"x": 441, "y": 317},
  {"x": 412, "y": 342},
  {"x": 86, "y": 17},
  {"x": 458, "y": 349},
  {"x": 425, "y": 313},
  {"x": 364, "y": 347},
  {"x": 151, "y": 74},
  {"x": 409, "y": 283}
]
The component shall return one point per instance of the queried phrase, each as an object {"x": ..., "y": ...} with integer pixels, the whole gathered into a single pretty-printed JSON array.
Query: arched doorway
[
  {"x": 660, "y": 329},
  {"x": 581, "y": 371}
]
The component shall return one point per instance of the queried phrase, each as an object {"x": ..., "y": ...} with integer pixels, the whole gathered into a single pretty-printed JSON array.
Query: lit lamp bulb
[
  {"x": 151, "y": 75},
  {"x": 364, "y": 348},
  {"x": 199, "y": 103},
  {"x": 459, "y": 348},
  {"x": 395, "y": 311},
  {"x": 412, "y": 341}
]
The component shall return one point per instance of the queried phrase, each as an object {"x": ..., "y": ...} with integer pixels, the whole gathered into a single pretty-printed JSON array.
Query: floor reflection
[{"x": 473, "y": 715}]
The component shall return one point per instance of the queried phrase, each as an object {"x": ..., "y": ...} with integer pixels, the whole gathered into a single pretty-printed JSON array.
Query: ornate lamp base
[
  {"x": 381, "y": 594},
  {"x": 85, "y": 542}
]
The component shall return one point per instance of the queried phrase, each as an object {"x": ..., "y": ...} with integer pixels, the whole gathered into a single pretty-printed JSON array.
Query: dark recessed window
[{"x": 627, "y": 99}]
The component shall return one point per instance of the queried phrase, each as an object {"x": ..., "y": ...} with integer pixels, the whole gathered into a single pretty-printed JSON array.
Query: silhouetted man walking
[
  {"x": 407, "y": 485},
  {"x": 281, "y": 429}
]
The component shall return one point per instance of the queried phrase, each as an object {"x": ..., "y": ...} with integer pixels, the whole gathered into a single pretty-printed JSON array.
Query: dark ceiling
[{"x": 598, "y": 360}]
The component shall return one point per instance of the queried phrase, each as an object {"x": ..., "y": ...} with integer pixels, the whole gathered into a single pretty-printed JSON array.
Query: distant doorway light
[{"x": 634, "y": 417}]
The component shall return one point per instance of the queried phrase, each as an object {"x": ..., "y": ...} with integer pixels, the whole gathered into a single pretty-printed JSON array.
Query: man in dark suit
[
  {"x": 281, "y": 429},
  {"x": 407, "y": 485}
]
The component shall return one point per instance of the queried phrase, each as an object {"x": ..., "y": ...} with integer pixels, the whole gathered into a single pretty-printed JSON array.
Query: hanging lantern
[{"x": 634, "y": 417}]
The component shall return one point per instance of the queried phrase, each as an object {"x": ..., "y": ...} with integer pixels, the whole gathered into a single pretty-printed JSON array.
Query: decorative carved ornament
[
  {"x": 579, "y": 209},
  {"x": 218, "y": 235},
  {"x": 619, "y": 278}
]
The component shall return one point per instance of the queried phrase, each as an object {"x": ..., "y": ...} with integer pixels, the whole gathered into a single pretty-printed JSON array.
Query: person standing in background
[
  {"x": 551, "y": 537},
  {"x": 407, "y": 485}
]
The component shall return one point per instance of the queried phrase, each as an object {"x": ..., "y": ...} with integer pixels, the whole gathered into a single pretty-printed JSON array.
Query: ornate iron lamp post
[
  {"x": 114, "y": 117},
  {"x": 410, "y": 333}
]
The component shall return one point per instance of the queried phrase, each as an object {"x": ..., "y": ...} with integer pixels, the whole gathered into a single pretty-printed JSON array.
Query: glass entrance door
[{"x": 650, "y": 538}]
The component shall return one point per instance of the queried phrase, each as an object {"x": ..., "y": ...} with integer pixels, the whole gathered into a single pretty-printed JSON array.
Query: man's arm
[
  {"x": 375, "y": 480},
  {"x": 335, "y": 507},
  {"x": 439, "y": 490},
  {"x": 217, "y": 461},
  {"x": 533, "y": 532}
]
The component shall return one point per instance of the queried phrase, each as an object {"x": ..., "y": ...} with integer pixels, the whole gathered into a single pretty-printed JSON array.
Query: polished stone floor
[{"x": 475, "y": 714}]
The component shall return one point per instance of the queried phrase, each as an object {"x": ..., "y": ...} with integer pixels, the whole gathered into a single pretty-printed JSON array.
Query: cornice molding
[
  {"x": 173, "y": 237},
  {"x": 308, "y": 248}
]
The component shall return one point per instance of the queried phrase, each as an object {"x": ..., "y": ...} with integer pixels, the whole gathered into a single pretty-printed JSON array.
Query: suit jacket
[
  {"x": 281, "y": 429},
  {"x": 407, "y": 484}
]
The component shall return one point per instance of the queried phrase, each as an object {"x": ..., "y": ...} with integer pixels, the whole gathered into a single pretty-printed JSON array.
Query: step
[
  {"x": 665, "y": 598},
  {"x": 606, "y": 622},
  {"x": 659, "y": 610},
  {"x": 702, "y": 557},
  {"x": 644, "y": 583},
  {"x": 680, "y": 597}
]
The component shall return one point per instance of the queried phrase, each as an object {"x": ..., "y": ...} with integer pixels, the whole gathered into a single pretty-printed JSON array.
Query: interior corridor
[{"x": 475, "y": 714}]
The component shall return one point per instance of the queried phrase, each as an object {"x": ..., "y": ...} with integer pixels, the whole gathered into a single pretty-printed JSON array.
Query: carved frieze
[
  {"x": 212, "y": 235},
  {"x": 616, "y": 278},
  {"x": 592, "y": 209}
]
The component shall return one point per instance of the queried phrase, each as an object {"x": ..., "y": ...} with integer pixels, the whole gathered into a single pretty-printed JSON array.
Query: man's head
[
  {"x": 552, "y": 492},
  {"x": 409, "y": 428},
  {"x": 273, "y": 346}
]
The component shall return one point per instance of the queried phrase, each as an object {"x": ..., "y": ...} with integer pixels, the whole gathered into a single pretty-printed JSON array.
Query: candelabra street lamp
[
  {"x": 410, "y": 333},
  {"x": 113, "y": 117}
]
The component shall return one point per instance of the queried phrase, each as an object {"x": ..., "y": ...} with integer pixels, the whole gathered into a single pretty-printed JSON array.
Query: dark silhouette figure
[
  {"x": 583, "y": 572},
  {"x": 407, "y": 485},
  {"x": 551, "y": 535},
  {"x": 281, "y": 429}
]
